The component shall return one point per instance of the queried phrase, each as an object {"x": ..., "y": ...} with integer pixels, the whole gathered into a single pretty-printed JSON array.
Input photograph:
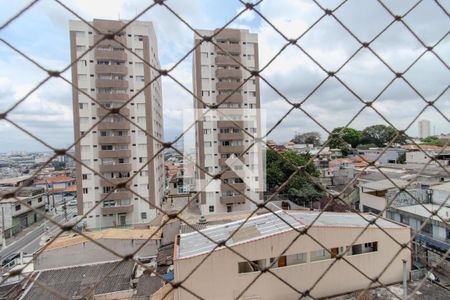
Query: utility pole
[
  {"x": 3, "y": 229},
  {"x": 65, "y": 208}
]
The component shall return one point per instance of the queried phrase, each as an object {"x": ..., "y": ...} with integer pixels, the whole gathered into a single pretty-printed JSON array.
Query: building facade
[
  {"x": 15, "y": 215},
  {"x": 116, "y": 148},
  {"x": 268, "y": 242},
  {"x": 424, "y": 129},
  {"x": 219, "y": 79}
]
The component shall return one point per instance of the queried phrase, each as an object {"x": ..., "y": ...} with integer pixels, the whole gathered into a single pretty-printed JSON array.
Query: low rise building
[
  {"x": 372, "y": 194},
  {"x": 15, "y": 215},
  {"x": 55, "y": 185},
  {"x": 267, "y": 241},
  {"x": 383, "y": 156},
  {"x": 85, "y": 251},
  {"x": 422, "y": 154}
]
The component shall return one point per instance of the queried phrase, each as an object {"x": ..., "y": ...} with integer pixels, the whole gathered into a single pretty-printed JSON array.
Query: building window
[
  {"x": 39, "y": 199},
  {"x": 143, "y": 215},
  {"x": 205, "y": 93},
  {"x": 254, "y": 266},
  {"x": 85, "y": 190},
  {"x": 85, "y": 176},
  {"x": 211, "y": 208},
  {"x": 18, "y": 207}
]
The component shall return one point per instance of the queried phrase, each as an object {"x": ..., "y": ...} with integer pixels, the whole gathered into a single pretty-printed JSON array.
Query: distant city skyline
[{"x": 47, "y": 113}]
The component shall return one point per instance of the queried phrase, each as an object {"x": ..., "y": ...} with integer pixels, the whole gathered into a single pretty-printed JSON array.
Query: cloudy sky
[{"x": 42, "y": 33}]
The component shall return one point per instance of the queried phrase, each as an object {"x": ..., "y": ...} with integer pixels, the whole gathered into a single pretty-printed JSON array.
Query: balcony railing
[
  {"x": 113, "y": 125},
  {"x": 115, "y": 168},
  {"x": 114, "y": 153},
  {"x": 228, "y": 60},
  {"x": 110, "y": 55},
  {"x": 114, "y": 139},
  {"x": 120, "y": 209},
  {"x": 111, "y": 83},
  {"x": 112, "y": 97},
  {"x": 232, "y": 199},
  {"x": 111, "y": 69},
  {"x": 117, "y": 195},
  {"x": 231, "y": 149},
  {"x": 123, "y": 111},
  {"x": 229, "y": 73}
]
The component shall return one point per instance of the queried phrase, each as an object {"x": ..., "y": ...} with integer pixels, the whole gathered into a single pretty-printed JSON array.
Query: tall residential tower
[
  {"x": 219, "y": 80},
  {"x": 116, "y": 148},
  {"x": 424, "y": 129}
]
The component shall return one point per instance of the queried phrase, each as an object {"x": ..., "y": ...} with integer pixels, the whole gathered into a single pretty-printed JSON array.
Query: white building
[
  {"x": 424, "y": 129},
  {"x": 219, "y": 80},
  {"x": 116, "y": 148},
  {"x": 269, "y": 242}
]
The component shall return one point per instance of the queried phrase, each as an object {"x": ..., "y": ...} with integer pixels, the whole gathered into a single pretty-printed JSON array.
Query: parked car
[{"x": 72, "y": 202}]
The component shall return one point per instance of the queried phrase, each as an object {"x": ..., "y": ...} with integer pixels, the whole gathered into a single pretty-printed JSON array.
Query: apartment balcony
[
  {"x": 222, "y": 161},
  {"x": 114, "y": 139},
  {"x": 228, "y": 60},
  {"x": 232, "y": 199},
  {"x": 111, "y": 69},
  {"x": 123, "y": 111},
  {"x": 228, "y": 124},
  {"x": 115, "y": 168},
  {"x": 231, "y": 136},
  {"x": 228, "y": 174},
  {"x": 229, "y": 35},
  {"x": 114, "y": 153},
  {"x": 120, "y": 209},
  {"x": 113, "y": 125},
  {"x": 108, "y": 42},
  {"x": 114, "y": 181},
  {"x": 236, "y": 97},
  {"x": 110, "y": 55},
  {"x": 111, "y": 83},
  {"x": 112, "y": 97},
  {"x": 229, "y": 73},
  {"x": 231, "y": 149},
  {"x": 230, "y": 48},
  {"x": 229, "y": 86},
  {"x": 237, "y": 186},
  {"x": 117, "y": 195}
]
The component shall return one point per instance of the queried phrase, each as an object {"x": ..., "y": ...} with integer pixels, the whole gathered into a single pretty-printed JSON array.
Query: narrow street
[{"x": 31, "y": 241}]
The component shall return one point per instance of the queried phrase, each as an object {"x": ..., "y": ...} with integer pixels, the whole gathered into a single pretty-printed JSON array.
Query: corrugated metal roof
[
  {"x": 194, "y": 243},
  {"x": 76, "y": 281}
]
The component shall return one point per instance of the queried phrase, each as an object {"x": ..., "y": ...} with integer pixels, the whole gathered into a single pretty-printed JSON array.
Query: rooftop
[
  {"x": 442, "y": 187},
  {"x": 443, "y": 212},
  {"x": 56, "y": 179},
  {"x": 76, "y": 281},
  {"x": 14, "y": 180},
  {"x": 111, "y": 233},
  {"x": 384, "y": 184},
  {"x": 192, "y": 244}
]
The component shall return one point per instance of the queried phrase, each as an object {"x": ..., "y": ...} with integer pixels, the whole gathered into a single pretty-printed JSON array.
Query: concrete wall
[
  {"x": 218, "y": 277},
  {"x": 89, "y": 252},
  {"x": 372, "y": 201}
]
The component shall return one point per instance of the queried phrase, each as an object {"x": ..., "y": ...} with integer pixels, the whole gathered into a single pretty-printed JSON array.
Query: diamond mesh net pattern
[{"x": 297, "y": 105}]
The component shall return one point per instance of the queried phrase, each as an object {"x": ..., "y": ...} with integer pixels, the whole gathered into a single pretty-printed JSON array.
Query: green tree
[
  {"x": 307, "y": 138},
  {"x": 300, "y": 188},
  {"x": 434, "y": 141},
  {"x": 349, "y": 135},
  {"x": 381, "y": 135}
]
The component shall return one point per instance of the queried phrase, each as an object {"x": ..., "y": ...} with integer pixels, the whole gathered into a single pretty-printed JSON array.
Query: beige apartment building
[
  {"x": 263, "y": 240},
  {"x": 116, "y": 148},
  {"x": 220, "y": 142}
]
